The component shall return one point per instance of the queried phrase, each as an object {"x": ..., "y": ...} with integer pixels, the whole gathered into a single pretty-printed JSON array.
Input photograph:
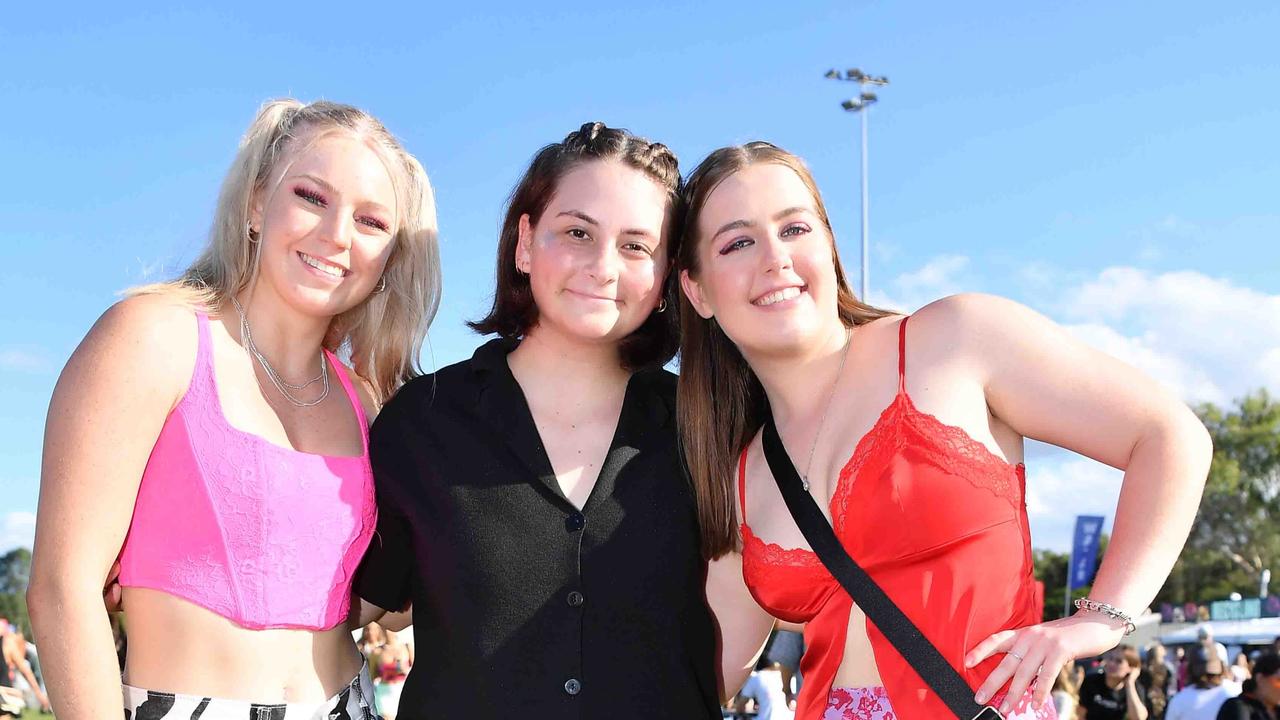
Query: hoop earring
[
  {"x": 248, "y": 231},
  {"x": 381, "y": 286},
  {"x": 662, "y": 306}
]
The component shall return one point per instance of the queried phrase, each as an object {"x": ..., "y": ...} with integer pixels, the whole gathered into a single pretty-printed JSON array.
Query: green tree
[
  {"x": 1234, "y": 537},
  {"x": 15, "y": 571},
  {"x": 1051, "y": 569}
]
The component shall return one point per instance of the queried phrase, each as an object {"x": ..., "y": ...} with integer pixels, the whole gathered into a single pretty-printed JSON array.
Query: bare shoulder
[
  {"x": 148, "y": 337},
  {"x": 977, "y": 323}
]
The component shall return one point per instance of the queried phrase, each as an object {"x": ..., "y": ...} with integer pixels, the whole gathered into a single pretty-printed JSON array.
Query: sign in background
[{"x": 1084, "y": 551}]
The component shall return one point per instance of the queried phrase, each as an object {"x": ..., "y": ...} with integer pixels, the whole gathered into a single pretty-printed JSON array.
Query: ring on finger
[{"x": 1015, "y": 655}]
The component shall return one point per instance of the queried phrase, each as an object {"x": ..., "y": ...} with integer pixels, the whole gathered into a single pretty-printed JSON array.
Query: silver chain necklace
[
  {"x": 251, "y": 350},
  {"x": 831, "y": 393}
]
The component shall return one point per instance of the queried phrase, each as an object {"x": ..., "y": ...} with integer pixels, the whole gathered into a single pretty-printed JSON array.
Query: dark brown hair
[
  {"x": 514, "y": 311},
  {"x": 720, "y": 399}
]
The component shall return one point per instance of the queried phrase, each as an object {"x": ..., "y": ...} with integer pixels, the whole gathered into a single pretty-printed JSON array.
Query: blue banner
[{"x": 1084, "y": 551}]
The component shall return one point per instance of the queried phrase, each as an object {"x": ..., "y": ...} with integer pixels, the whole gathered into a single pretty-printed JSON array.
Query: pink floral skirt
[{"x": 873, "y": 704}]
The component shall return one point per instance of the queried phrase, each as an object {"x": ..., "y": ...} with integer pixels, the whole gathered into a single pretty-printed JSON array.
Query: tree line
[{"x": 1234, "y": 538}]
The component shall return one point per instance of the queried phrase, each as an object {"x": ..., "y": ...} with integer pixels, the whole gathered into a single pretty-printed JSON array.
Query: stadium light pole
[{"x": 860, "y": 105}]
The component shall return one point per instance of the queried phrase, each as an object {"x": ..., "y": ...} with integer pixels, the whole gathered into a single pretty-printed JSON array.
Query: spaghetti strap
[
  {"x": 742, "y": 484},
  {"x": 352, "y": 396},
  {"x": 202, "y": 376},
  {"x": 902, "y": 354}
]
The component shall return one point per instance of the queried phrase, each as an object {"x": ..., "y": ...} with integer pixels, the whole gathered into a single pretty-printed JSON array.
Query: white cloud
[
  {"x": 943, "y": 275},
  {"x": 1061, "y": 485},
  {"x": 1204, "y": 338},
  {"x": 1179, "y": 376},
  {"x": 23, "y": 359},
  {"x": 17, "y": 529},
  {"x": 1208, "y": 338}
]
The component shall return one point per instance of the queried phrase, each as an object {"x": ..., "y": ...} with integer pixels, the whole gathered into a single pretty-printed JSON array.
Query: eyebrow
[
  {"x": 738, "y": 224},
  {"x": 592, "y": 221},
  {"x": 328, "y": 186}
]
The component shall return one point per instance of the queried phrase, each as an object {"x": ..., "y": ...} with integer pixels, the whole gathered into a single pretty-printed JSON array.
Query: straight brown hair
[
  {"x": 514, "y": 311},
  {"x": 720, "y": 402}
]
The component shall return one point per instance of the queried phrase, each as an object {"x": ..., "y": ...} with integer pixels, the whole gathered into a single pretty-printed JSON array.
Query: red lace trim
[
  {"x": 774, "y": 554},
  {"x": 948, "y": 447}
]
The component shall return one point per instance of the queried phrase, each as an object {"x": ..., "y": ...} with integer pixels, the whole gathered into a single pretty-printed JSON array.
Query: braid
[{"x": 514, "y": 311}]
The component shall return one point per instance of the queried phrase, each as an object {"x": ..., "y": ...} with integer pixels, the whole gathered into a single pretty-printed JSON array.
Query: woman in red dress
[{"x": 909, "y": 432}]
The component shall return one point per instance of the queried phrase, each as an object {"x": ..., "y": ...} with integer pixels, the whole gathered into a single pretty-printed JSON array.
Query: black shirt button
[
  {"x": 575, "y": 522},
  {"x": 576, "y": 599},
  {"x": 572, "y": 686}
]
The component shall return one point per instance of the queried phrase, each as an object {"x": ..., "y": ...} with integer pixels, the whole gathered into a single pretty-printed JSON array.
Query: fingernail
[
  {"x": 980, "y": 698},
  {"x": 1005, "y": 708}
]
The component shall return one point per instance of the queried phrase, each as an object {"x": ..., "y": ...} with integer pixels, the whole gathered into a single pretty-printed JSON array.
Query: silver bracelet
[{"x": 1109, "y": 610}]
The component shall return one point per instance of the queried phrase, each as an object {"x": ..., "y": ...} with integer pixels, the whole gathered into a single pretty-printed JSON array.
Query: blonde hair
[{"x": 382, "y": 336}]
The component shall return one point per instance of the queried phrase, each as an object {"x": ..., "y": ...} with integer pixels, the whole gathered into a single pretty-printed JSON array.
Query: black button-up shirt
[{"x": 523, "y": 605}]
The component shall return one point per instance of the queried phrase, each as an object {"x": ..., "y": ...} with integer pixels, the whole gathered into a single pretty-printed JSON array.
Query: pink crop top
[{"x": 266, "y": 536}]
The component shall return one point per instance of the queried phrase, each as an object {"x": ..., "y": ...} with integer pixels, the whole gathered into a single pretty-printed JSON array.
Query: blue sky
[{"x": 1113, "y": 167}]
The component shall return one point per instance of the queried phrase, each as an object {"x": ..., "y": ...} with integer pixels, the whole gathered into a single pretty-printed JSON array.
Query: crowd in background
[
  {"x": 389, "y": 660},
  {"x": 1199, "y": 682}
]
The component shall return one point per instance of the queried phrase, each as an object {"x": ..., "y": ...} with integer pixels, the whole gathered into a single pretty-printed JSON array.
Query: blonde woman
[{"x": 206, "y": 433}]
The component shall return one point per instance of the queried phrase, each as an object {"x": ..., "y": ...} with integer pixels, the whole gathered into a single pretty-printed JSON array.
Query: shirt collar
[{"x": 646, "y": 415}]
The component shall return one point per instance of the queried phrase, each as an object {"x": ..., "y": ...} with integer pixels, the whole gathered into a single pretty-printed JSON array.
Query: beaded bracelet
[{"x": 1110, "y": 611}]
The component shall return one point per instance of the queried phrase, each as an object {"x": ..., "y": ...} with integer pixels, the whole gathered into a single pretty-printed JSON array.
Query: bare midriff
[
  {"x": 176, "y": 646},
  {"x": 858, "y": 666}
]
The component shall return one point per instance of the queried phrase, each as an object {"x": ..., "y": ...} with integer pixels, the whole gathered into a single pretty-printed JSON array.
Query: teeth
[
  {"x": 322, "y": 266},
  {"x": 778, "y": 296}
]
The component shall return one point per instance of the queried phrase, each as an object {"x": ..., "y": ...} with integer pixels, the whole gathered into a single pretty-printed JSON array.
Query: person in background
[
  {"x": 765, "y": 687},
  {"x": 390, "y": 663},
  {"x": 1260, "y": 694},
  {"x": 16, "y": 666},
  {"x": 1115, "y": 693},
  {"x": 785, "y": 649},
  {"x": 1240, "y": 669},
  {"x": 1066, "y": 693},
  {"x": 1159, "y": 680},
  {"x": 1204, "y": 635},
  {"x": 1206, "y": 691}
]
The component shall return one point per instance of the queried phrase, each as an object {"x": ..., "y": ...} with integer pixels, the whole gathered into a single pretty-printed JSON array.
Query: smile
[
  {"x": 324, "y": 266},
  {"x": 777, "y": 296},
  {"x": 589, "y": 296}
]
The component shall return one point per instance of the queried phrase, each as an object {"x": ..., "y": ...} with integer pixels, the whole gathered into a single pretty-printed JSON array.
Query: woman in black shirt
[
  {"x": 532, "y": 505},
  {"x": 1115, "y": 694},
  {"x": 1259, "y": 696}
]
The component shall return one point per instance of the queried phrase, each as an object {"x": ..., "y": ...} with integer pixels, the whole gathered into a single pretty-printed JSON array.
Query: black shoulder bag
[{"x": 915, "y": 648}]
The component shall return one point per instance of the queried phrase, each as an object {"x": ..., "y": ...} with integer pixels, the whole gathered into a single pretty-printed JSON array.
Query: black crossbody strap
[{"x": 915, "y": 648}]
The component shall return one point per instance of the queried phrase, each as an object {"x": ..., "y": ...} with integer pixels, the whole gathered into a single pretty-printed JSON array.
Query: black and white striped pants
[{"x": 353, "y": 702}]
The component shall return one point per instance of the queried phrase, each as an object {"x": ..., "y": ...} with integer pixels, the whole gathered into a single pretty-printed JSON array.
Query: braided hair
[{"x": 514, "y": 311}]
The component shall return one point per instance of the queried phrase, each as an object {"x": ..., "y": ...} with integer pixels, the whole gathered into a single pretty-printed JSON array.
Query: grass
[{"x": 35, "y": 715}]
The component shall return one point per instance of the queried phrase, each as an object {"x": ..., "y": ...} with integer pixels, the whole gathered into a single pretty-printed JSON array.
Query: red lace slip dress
[{"x": 939, "y": 522}]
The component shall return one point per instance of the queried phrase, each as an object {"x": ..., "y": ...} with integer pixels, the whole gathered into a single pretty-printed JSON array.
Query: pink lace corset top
[{"x": 266, "y": 536}]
